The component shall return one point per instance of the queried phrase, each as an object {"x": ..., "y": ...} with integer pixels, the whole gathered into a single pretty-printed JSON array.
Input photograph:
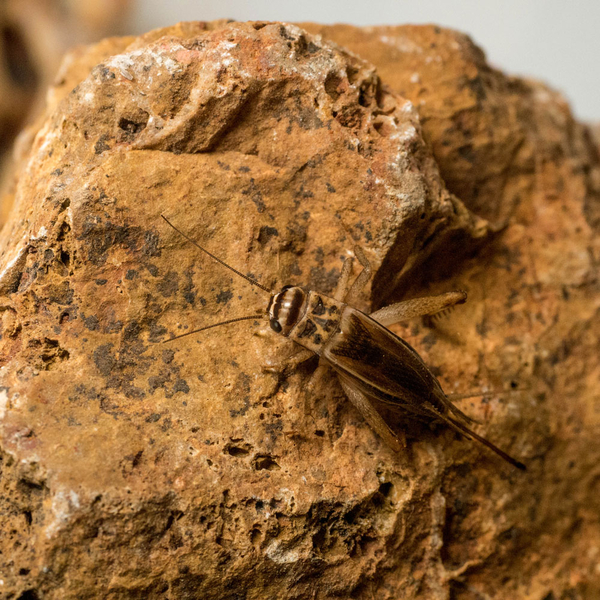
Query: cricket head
[{"x": 285, "y": 309}]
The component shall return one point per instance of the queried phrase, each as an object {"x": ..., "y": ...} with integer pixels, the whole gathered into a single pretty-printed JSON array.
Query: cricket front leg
[
  {"x": 363, "y": 277},
  {"x": 371, "y": 416},
  {"x": 345, "y": 292},
  {"x": 417, "y": 307},
  {"x": 343, "y": 284}
]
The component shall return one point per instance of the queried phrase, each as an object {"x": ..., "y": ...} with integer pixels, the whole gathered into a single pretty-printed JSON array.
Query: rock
[{"x": 133, "y": 468}]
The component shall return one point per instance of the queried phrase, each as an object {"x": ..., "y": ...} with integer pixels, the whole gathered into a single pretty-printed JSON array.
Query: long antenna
[
  {"x": 189, "y": 239},
  {"x": 248, "y": 318}
]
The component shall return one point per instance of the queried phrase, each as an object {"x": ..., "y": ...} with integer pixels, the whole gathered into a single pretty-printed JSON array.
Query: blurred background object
[{"x": 34, "y": 35}]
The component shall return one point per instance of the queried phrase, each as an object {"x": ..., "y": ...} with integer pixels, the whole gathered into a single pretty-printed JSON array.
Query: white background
[{"x": 557, "y": 41}]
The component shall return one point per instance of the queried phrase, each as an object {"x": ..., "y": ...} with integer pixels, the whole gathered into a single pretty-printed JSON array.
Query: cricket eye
[{"x": 275, "y": 325}]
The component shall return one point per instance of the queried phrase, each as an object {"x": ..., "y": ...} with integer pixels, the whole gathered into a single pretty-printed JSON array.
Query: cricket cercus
[{"x": 374, "y": 366}]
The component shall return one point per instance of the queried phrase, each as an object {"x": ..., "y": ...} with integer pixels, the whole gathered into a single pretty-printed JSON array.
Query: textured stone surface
[{"x": 134, "y": 469}]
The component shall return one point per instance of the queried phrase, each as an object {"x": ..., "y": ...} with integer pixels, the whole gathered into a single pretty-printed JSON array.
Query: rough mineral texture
[{"x": 135, "y": 469}]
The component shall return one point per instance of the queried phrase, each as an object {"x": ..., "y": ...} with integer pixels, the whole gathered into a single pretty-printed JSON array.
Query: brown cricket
[{"x": 374, "y": 366}]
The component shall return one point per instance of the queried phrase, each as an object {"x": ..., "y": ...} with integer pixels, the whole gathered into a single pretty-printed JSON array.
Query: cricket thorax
[{"x": 319, "y": 321}]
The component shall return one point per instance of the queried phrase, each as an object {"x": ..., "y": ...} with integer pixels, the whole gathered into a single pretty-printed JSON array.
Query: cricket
[{"x": 374, "y": 366}]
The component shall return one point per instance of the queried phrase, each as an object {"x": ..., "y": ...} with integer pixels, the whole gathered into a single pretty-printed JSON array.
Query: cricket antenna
[
  {"x": 189, "y": 239},
  {"x": 248, "y": 318}
]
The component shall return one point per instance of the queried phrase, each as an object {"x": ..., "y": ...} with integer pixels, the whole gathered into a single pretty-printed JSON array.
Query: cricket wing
[
  {"x": 365, "y": 350},
  {"x": 384, "y": 366}
]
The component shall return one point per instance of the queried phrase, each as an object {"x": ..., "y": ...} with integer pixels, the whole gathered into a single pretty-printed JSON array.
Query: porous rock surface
[{"x": 135, "y": 469}]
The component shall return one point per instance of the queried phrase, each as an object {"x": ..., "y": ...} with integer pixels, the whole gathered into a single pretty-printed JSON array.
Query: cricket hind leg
[
  {"x": 371, "y": 416},
  {"x": 461, "y": 428},
  {"x": 417, "y": 307}
]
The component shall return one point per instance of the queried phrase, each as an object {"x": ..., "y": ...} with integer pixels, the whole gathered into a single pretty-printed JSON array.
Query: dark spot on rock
[
  {"x": 152, "y": 269},
  {"x": 106, "y": 73},
  {"x": 189, "y": 293},
  {"x": 101, "y": 281},
  {"x": 266, "y": 233},
  {"x": 244, "y": 169},
  {"x": 169, "y": 284},
  {"x": 157, "y": 381},
  {"x": 100, "y": 236},
  {"x": 168, "y": 356},
  {"x": 241, "y": 391},
  {"x": 181, "y": 386},
  {"x": 477, "y": 86},
  {"x": 265, "y": 462},
  {"x": 303, "y": 193},
  {"x": 467, "y": 152},
  {"x": 156, "y": 332},
  {"x": 294, "y": 269},
  {"x": 137, "y": 458},
  {"x": 57, "y": 172},
  {"x": 332, "y": 85},
  {"x": 323, "y": 280},
  {"x": 255, "y": 195},
  {"x": 104, "y": 360},
  {"x": 102, "y": 145},
  {"x": 131, "y": 274},
  {"x": 51, "y": 353},
  {"x": 153, "y": 418},
  {"x": 224, "y": 297},
  {"x": 132, "y": 128},
  {"x": 319, "y": 256},
  {"x": 237, "y": 450},
  {"x": 330, "y": 188},
  {"x": 482, "y": 327},
  {"x": 151, "y": 244},
  {"x": 91, "y": 322},
  {"x": 29, "y": 594},
  {"x": 131, "y": 331},
  {"x": 59, "y": 294}
]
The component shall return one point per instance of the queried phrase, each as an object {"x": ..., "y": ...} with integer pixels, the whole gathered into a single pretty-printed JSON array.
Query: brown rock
[{"x": 133, "y": 469}]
